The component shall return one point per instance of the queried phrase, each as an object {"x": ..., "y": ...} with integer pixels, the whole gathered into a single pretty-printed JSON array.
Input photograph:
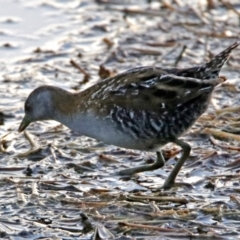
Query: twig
[
  {"x": 53, "y": 153},
  {"x": 86, "y": 75},
  {"x": 107, "y": 159},
  {"x": 34, "y": 146},
  {"x": 20, "y": 195},
  {"x": 230, "y": 7},
  {"x": 206, "y": 49},
  {"x": 162, "y": 229},
  {"x": 202, "y": 19},
  {"x": 160, "y": 199},
  {"x": 161, "y": 44},
  {"x": 145, "y": 50},
  {"x": 223, "y": 34},
  {"x": 155, "y": 207},
  {"x": 214, "y": 142},
  {"x": 228, "y": 110},
  {"x": 221, "y": 134},
  {"x": 167, "y": 54},
  {"x": 180, "y": 55},
  {"x": 34, "y": 189}
]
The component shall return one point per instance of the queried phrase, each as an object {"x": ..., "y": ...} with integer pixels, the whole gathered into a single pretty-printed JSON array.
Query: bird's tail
[
  {"x": 210, "y": 69},
  {"x": 213, "y": 67}
]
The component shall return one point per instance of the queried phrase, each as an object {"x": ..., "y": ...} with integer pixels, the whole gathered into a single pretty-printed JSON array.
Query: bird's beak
[{"x": 25, "y": 122}]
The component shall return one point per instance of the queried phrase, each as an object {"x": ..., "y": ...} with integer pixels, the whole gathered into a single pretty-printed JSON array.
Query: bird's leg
[
  {"x": 169, "y": 182},
  {"x": 150, "y": 167}
]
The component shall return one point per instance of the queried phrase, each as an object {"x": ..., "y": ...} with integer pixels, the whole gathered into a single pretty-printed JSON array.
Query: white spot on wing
[{"x": 131, "y": 114}]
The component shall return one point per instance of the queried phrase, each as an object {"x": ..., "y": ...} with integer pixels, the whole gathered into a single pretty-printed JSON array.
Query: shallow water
[{"x": 45, "y": 193}]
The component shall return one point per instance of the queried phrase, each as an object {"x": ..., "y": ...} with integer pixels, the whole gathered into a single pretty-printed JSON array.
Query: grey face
[{"x": 37, "y": 107}]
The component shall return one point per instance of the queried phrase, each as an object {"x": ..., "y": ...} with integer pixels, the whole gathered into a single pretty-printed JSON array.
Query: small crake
[{"x": 143, "y": 108}]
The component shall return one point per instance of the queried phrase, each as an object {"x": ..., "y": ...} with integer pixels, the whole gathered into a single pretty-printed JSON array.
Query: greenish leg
[
  {"x": 150, "y": 167},
  {"x": 169, "y": 182}
]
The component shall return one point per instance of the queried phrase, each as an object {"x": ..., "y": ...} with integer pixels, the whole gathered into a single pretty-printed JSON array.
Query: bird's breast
[{"x": 136, "y": 129}]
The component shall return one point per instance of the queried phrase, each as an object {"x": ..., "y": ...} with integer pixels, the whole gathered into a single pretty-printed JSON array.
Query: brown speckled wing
[{"x": 152, "y": 89}]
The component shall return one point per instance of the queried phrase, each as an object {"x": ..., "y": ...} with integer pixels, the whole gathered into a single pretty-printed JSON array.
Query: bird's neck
[{"x": 68, "y": 110}]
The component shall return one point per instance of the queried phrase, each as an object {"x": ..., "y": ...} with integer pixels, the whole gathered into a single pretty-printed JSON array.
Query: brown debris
[
  {"x": 105, "y": 73},
  {"x": 221, "y": 134},
  {"x": 77, "y": 66},
  {"x": 179, "y": 200},
  {"x": 214, "y": 141},
  {"x": 108, "y": 42},
  {"x": 107, "y": 159},
  {"x": 210, "y": 4}
]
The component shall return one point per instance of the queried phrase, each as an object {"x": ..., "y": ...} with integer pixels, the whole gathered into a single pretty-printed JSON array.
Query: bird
[{"x": 143, "y": 108}]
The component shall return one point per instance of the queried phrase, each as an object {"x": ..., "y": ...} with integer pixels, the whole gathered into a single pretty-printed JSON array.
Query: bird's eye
[{"x": 27, "y": 107}]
